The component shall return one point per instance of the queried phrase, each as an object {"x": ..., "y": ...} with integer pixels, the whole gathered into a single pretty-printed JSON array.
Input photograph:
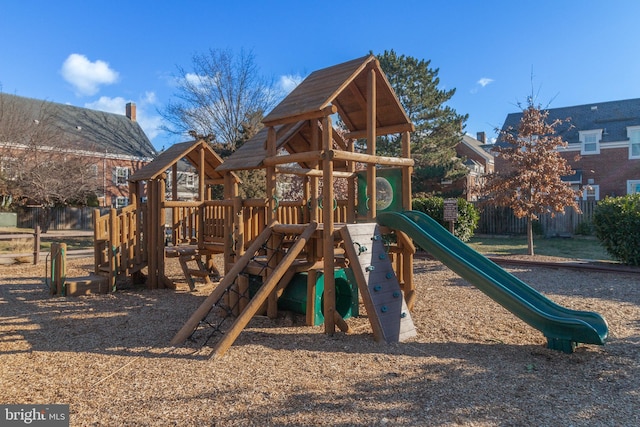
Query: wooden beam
[
  {"x": 308, "y": 156},
  {"x": 312, "y": 172},
  {"x": 367, "y": 158},
  {"x": 385, "y": 130},
  {"x": 326, "y": 111}
]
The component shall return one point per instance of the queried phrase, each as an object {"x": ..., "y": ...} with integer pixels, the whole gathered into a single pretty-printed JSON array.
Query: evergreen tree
[{"x": 438, "y": 127}]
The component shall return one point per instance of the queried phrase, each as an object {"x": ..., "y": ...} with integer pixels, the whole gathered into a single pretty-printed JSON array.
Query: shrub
[
  {"x": 585, "y": 228},
  {"x": 468, "y": 215},
  {"x": 616, "y": 221}
]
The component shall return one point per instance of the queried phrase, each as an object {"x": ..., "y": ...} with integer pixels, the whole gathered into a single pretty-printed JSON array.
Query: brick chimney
[
  {"x": 481, "y": 136},
  {"x": 131, "y": 111}
]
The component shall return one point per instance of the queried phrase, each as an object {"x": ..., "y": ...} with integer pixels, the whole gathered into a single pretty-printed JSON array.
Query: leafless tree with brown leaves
[{"x": 533, "y": 184}]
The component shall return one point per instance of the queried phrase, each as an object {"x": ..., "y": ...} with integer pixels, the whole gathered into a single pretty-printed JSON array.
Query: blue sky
[{"x": 102, "y": 54}]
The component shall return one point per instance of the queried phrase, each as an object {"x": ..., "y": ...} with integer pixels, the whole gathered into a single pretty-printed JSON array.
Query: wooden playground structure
[{"x": 266, "y": 243}]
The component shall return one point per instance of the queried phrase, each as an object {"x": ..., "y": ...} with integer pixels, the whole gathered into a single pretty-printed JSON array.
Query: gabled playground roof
[
  {"x": 189, "y": 150},
  {"x": 294, "y": 137},
  {"x": 343, "y": 87}
]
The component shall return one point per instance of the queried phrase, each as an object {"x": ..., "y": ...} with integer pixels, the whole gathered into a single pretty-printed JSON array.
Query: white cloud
[
  {"x": 86, "y": 76},
  {"x": 146, "y": 114},
  {"x": 289, "y": 82},
  {"x": 484, "y": 81}
]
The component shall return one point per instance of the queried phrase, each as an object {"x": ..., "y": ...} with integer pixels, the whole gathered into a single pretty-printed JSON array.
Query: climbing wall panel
[{"x": 378, "y": 284}]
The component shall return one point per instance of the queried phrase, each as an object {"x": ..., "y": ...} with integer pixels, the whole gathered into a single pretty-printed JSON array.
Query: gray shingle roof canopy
[
  {"x": 613, "y": 117},
  {"x": 90, "y": 130}
]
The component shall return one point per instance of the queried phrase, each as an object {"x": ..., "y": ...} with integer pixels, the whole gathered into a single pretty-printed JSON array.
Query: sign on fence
[{"x": 450, "y": 209}]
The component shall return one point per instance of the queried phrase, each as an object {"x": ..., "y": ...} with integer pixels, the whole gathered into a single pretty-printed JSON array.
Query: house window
[
  {"x": 9, "y": 168},
  {"x": 591, "y": 192},
  {"x": 634, "y": 142},
  {"x": 121, "y": 202},
  {"x": 121, "y": 176},
  {"x": 189, "y": 180},
  {"x": 633, "y": 186},
  {"x": 590, "y": 141},
  {"x": 93, "y": 171}
]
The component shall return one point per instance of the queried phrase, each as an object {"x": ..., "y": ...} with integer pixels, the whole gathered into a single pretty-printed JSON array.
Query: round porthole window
[{"x": 384, "y": 193}]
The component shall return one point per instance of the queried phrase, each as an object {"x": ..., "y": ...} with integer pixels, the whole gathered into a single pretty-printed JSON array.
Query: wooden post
[
  {"x": 174, "y": 181},
  {"x": 114, "y": 248},
  {"x": 162, "y": 219},
  {"x": 407, "y": 171},
  {"x": 152, "y": 205},
  {"x": 371, "y": 142},
  {"x": 313, "y": 189},
  {"x": 272, "y": 301},
  {"x": 58, "y": 268},
  {"x": 351, "y": 186},
  {"x": 312, "y": 276},
  {"x": 201, "y": 185},
  {"x": 406, "y": 244},
  {"x": 328, "y": 228},
  {"x": 36, "y": 243}
]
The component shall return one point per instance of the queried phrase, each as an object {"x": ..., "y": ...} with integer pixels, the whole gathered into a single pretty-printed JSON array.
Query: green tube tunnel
[{"x": 294, "y": 297}]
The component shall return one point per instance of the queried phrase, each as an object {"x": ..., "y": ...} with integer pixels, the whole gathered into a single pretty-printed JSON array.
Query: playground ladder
[
  {"x": 200, "y": 271},
  {"x": 377, "y": 282},
  {"x": 258, "y": 299}
]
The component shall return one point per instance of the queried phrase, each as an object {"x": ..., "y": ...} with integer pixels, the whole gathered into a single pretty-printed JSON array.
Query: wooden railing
[
  {"x": 118, "y": 247},
  {"x": 119, "y": 239}
]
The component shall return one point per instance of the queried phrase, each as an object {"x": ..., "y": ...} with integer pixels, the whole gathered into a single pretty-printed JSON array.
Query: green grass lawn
[{"x": 573, "y": 247}]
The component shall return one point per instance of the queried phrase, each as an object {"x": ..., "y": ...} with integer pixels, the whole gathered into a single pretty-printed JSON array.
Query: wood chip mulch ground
[{"x": 472, "y": 364}]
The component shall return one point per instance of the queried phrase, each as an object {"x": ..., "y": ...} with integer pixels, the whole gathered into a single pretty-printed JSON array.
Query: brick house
[
  {"x": 478, "y": 162},
  {"x": 113, "y": 145},
  {"x": 605, "y": 138}
]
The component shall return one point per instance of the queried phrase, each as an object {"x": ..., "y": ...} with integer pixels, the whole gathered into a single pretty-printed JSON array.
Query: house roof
[
  {"x": 345, "y": 87},
  {"x": 612, "y": 117},
  {"x": 89, "y": 130},
  {"x": 477, "y": 147},
  {"x": 190, "y": 151}
]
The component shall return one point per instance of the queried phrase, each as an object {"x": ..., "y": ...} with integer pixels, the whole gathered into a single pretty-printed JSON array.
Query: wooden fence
[
  {"x": 500, "y": 220},
  {"x": 61, "y": 218},
  {"x": 493, "y": 220}
]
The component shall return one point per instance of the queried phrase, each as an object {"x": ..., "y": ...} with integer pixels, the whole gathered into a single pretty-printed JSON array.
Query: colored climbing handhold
[
  {"x": 377, "y": 288},
  {"x": 389, "y": 275},
  {"x": 382, "y": 256},
  {"x": 403, "y": 315},
  {"x": 384, "y": 309},
  {"x": 396, "y": 294},
  {"x": 375, "y": 237},
  {"x": 370, "y": 268}
]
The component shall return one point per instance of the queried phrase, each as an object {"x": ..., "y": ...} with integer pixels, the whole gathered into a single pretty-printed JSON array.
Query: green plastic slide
[{"x": 564, "y": 328}]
